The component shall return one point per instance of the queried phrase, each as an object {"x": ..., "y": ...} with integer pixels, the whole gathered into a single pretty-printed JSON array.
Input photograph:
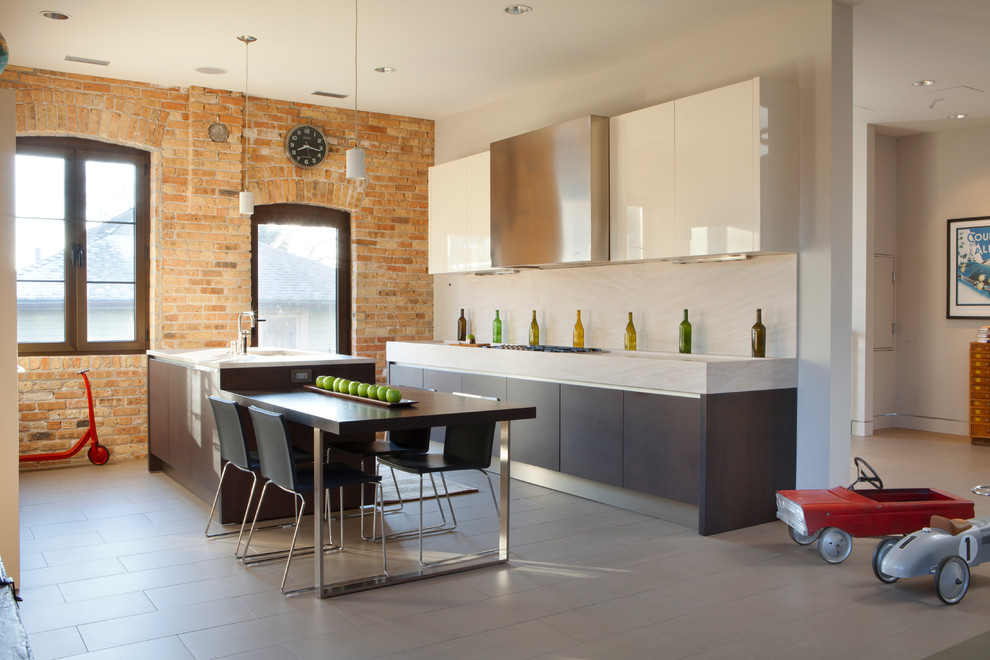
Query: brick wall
[{"x": 200, "y": 245}]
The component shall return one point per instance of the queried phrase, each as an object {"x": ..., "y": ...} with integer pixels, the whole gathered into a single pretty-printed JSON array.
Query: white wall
[
  {"x": 940, "y": 176},
  {"x": 792, "y": 42},
  {"x": 9, "y": 498}
]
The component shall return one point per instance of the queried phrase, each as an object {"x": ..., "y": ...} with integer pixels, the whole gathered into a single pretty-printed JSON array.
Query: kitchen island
[
  {"x": 695, "y": 438},
  {"x": 182, "y": 436}
]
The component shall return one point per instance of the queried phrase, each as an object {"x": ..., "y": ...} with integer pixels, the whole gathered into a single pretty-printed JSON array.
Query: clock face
[{"x": 306, "y": 146}]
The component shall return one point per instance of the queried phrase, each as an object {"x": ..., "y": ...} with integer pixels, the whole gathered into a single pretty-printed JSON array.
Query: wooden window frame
[
  {"x": 313, "y": 216},
  {"x": 76, "y": 150}
]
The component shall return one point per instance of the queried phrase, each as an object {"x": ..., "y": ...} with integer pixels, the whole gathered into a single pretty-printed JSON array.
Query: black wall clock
[{"x": 306, "y": 146}]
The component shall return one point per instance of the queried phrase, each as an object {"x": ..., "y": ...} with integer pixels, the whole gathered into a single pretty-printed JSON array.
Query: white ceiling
[{"x": 454, "y": 55}]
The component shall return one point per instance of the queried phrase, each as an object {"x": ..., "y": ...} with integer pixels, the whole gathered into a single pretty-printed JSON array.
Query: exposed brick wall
[{"x": 200, "y": 245}]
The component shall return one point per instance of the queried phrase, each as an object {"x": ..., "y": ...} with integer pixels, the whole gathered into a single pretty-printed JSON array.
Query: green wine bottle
[
  {"x": 497, "y": 329},
  {"x": 461, "y": 327},
  {"x": 684, "y": 337},
  {"x": 759, "y": 336},
  {"x": 630, "y": 342},
  {"x": 534, "y": 331},
  {"x": 578, "y": 332}
]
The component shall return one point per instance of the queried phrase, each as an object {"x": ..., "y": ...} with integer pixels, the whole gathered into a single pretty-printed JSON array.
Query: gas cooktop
[{"x": 545, "y": 349}]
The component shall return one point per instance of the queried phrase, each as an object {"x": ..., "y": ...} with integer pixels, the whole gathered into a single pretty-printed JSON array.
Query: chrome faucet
[{"x": 244, "y": 335}]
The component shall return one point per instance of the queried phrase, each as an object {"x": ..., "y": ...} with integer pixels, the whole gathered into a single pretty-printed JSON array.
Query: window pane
[
  {"x": 110, "y": 312},
  {"x": 110, "y": 191},
  {"x": 40, "y": 312},
  {"x": 109, "y": 252},
  {"x": 297, "y": 286},
  {"x": 39, "y": 186},
  {"x": 40, "y": 249}
]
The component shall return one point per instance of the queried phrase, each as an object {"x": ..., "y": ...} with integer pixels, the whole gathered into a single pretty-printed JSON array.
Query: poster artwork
[{"x": 972, "y": 271}]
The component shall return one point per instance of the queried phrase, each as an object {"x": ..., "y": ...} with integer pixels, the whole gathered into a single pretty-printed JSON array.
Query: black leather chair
[
  {"x": 234, "y": 451},
  {"x": 275, "y": 453},
  {"x": 465, "y": 447}
]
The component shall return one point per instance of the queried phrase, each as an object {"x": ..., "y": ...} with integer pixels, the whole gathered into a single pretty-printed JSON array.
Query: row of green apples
[{"x": 357, "y": 388}]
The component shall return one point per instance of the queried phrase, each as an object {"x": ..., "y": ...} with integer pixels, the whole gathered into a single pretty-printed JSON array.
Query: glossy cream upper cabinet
[
  {"x": 641, "y": 184},
  {"x": 459, "y": 231},
  {"x": 736, "y": 170}
]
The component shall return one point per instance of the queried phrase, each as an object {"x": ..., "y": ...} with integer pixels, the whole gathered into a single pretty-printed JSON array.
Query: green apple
[
  {"x": 393, "y": 395},
  {"x": 342, "y": 385},
  {"x": 319, "y": 381},
  {"x": 331, "y": 384},
  {"x": 352, "y": 387},
  {"x": 383, "y": 392},
  {"x": 363, "y": 389},
  {"x": 372, "y": 391}
]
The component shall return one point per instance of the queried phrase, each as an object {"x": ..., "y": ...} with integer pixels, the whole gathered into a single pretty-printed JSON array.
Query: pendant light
[
  {"x": 246, "y": 198},
  {"x": 355, "y": 155}
]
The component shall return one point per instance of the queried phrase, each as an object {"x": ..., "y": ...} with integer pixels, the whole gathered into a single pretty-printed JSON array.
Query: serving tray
[{"x": 361, "y": 399}]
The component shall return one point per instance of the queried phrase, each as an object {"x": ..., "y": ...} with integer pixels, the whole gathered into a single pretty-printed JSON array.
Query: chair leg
[
  {"x": 381, "y": 508},
  {"x": 254, "y": 522},
  {"x": 216, "y": 498},
  {"x": 295, "y": 532},
  {"x": 446, "y": 493},
  {"x": 247, "y": 509},
  {"x": 488, "y": 478},
  {"x": 421, "y": 517}
]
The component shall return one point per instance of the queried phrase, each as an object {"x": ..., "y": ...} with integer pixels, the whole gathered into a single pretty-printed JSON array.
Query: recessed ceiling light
[
  {"x": 333, "y": 95},
  {"x": 55, "y": 15},
  {"x": 958, "y": 116},
  {"x": 211, "y": 70},
  {"x": 518, "y": 10},
  {"x": 86, "y": 60},
  {"x": 923, "y": 83},
  {"x": 385, "y": 69}
]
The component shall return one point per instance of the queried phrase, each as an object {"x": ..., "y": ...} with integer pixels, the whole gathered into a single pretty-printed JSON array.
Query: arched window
[
  {"x": 82, "y": 223},
  {"x": 301, "y": 277}
]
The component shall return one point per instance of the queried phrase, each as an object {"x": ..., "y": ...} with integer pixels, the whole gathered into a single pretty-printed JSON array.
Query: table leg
[
  {"x": 503, "y": 493},
  {"x": 318, "y": 506}
]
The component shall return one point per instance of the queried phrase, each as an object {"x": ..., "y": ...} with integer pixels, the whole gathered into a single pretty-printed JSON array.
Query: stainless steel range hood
[{"x": 549, "y": 195}]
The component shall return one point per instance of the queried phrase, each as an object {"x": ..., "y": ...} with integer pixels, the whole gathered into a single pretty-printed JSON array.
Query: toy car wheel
[
  {"x": 881, "y": 551},
  {"x": 834, "y": 545},
  {"x": 951, "y": 579},
  {"x": 803, "y": 539}
]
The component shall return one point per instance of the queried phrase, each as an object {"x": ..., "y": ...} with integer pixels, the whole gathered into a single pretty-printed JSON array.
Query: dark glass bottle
[
  {"x": 461, "y": 327},
  {"x": 534, "y": 332},
  {"x": 497, "y": 329},
  {"x": 578, "y": 332},
  {"x": 684, "y": 336},
  {"x": 630, "y": 340},
  {"x": 759, "y": 336}
]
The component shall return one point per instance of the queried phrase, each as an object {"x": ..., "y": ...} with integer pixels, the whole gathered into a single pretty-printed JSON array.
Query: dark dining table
[{"x": 342, "y": 417}]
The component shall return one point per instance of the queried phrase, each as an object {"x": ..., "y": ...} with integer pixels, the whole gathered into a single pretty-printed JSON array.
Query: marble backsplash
[{"x": 722, "y": 298}]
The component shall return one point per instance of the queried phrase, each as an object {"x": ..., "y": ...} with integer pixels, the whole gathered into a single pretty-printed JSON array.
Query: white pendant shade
[
  {"x": 246, "y": 200},
  {"x": 355, "y": 163}
]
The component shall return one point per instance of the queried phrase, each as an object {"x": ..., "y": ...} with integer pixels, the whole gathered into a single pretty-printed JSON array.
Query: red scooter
[{"x": 98, "y": 454}]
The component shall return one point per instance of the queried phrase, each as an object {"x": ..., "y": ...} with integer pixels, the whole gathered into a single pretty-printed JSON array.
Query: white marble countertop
[
  {"x": 629, "y": 370},
  {"x": 214, "y": 359}
]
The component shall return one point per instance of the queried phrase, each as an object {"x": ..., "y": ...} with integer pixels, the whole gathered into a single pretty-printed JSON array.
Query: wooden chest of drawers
[{"x": 979, "y": 393}]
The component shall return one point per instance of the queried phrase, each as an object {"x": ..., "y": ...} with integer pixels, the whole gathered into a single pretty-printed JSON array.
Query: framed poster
[{"x": 968, "y": 276}]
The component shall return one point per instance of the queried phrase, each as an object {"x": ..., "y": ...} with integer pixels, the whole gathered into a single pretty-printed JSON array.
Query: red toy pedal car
[{"x": 834, "y": 516}]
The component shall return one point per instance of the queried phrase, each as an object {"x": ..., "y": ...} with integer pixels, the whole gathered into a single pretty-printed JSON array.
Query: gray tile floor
[{"x": 114, "y": 565}]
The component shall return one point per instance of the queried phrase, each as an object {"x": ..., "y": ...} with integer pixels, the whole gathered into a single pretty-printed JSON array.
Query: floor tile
[
  {"x": 166, "y": 648},
  {"x": 56, "y": 644}
]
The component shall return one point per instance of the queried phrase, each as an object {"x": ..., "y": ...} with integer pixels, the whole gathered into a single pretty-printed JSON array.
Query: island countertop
[
  {"x": 214, "y": 359},
  {"x": 645, "y": 370}
]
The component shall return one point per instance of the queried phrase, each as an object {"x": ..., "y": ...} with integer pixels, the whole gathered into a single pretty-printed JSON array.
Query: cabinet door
[
  {"x": 661, "y": 445},
  {"x": 447, "y": 190},
  {"x": 716, "y": 155},
  {"x": 536, "y": 441},
  {"x": 442, "y": 381},
  {"x": 641, "y": 183},
  {"x": 483, "y": 385},
  {"x": 591, "y": 433},
  {"x": 401, "y": 375},
  {"x": 158, "y": 410},
  {"x": 478, "y": 212}
]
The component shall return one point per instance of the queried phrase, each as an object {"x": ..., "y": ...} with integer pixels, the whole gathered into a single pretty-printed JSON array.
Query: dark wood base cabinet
[
  {"x": 182, "y": 436},
  {"x": 727, "y": 453}
]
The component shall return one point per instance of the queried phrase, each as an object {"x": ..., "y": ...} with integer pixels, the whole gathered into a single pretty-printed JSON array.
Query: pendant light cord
[{"x": 356, "y": 142}]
